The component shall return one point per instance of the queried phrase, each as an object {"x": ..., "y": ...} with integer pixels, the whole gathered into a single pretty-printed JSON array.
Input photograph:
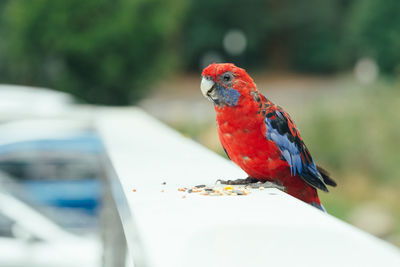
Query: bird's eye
[{"x": 227, "y": 77}]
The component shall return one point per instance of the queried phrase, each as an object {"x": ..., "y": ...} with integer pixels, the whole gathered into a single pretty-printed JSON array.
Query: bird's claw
[
  {"x": 269, "y": 185},
  {"x": 247, "y": 181},
  {"x": 253, "y": 183}
]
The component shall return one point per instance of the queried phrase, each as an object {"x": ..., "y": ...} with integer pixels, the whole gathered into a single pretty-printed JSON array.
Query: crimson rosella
[{"x": 260, "y": 136}]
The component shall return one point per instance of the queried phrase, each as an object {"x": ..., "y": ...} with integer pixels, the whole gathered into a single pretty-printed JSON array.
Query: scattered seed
[
  {"x": 247, "y": 192},
  {"x": 196, "y": 190},
  {"x": 237, "y": 192},
  {"x": 229, "y": 187},
  {"x": 221, "y": 191}
]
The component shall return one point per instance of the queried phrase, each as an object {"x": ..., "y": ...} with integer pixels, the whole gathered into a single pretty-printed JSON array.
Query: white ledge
[{"x": 265, "y": 228}]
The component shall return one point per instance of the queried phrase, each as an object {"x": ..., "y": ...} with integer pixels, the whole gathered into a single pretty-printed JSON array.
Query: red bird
[{"x": 260, "y": 136}]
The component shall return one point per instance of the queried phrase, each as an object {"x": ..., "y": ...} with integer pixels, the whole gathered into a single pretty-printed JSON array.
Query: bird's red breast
[{"x": 243, "y": 138}]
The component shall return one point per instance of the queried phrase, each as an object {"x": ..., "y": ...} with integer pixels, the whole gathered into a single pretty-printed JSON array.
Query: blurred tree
[
  {"x": 373, "y": 30},
  {"x": 100, "y": 50},
  {"x": 208, "y": 21},
  {"x": 301, "y": 35},
  {"x": 310, "y": 31}
]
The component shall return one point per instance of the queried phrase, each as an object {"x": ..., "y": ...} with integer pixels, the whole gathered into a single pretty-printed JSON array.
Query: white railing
[{"x": 166, "y": 227}]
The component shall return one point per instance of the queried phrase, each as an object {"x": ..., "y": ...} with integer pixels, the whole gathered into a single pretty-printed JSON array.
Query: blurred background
[{"x": 334, "y": 65}]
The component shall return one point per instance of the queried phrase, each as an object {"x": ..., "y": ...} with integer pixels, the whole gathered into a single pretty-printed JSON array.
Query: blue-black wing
[{"x": 282, "y": 131}]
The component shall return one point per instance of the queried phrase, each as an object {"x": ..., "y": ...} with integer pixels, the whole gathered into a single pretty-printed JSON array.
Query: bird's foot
[
  {"x": 253, "y": 183},
  {"x": 268, "y": 185},
  {"x": 247, "y": 181}
]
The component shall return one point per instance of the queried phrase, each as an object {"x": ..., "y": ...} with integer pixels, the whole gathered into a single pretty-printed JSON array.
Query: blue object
[
  {"x": 78, "y": 192},
  {"x": 87, "y": 142},
  {"x": 83, "y": 193}
]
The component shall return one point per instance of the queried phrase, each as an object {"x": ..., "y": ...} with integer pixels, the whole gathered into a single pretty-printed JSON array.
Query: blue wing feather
[{"x": 294, "y": 152}]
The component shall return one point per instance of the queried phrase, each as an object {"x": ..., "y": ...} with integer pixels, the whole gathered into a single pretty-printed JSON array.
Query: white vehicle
[{"x": 27, "y": 238}]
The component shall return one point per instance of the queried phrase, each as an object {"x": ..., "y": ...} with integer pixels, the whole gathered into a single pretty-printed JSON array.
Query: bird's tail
[{"x": 326, "y": 176}]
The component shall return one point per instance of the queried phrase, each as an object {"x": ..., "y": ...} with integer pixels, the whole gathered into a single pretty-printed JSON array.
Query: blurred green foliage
[
  {"x": 207, "y": 22},
  {"x": 373, "y": 30},
  {"x": 302, "y": 35},
  {"x": 360, "y": 129},
  {"x": 101, "y": 51},
  {"x": 110, "y": 52},
  {"x": 310, "y": 35},
  {"x": 313, "y": 30}
]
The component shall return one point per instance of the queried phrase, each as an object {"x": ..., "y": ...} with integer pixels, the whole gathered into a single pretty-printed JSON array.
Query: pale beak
[{"x": 206, "y": 86}]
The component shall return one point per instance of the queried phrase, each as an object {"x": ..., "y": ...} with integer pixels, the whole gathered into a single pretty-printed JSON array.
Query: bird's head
[{"x": 225, "y": 84}]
